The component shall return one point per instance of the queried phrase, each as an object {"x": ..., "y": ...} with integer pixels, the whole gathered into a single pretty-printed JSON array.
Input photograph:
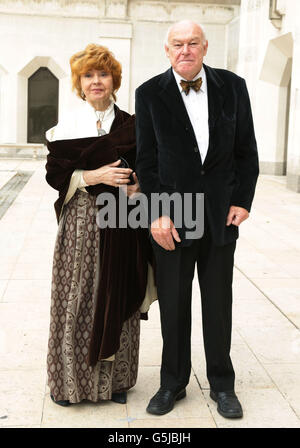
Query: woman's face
[{"x": 97, "y": 85}]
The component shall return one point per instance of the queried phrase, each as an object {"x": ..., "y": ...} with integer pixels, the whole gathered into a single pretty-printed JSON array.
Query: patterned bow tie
[{"x": 187, "y": 85}]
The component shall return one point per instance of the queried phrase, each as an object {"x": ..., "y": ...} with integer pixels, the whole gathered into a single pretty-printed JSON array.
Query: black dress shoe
[
  {"x": 163, "y": 401},
  {"x": 119, "y": 397},
  {"x": 228, "y": 404},
  {"x": 60, "y": 402}
]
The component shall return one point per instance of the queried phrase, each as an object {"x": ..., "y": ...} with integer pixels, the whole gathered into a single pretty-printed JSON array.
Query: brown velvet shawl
[{"x": 124, "y": 253}]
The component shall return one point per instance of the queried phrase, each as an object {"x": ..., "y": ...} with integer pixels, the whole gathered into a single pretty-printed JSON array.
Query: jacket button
[
  {"x": 202, "y": 172},
  {"x": 196, "y": 148}
]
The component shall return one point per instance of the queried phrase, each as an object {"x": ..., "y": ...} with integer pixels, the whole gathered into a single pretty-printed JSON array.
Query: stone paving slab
[
  {"x": 266, "y": 318},
  {"x": 5, "y": 176}
]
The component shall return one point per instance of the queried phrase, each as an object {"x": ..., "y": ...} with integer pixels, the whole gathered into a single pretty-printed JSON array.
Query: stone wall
[
  {"x": 38, "y": 33},
  {"x": 269, "y": 59}
]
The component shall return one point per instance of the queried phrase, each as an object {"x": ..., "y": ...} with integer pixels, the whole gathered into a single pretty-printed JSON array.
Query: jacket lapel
[
  {"x": 215, "y": 93},
  {"x": 171, "y": 96}
]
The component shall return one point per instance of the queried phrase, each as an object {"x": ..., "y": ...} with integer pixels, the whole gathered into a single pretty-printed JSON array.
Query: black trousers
[{"x": 175, "y": 272}]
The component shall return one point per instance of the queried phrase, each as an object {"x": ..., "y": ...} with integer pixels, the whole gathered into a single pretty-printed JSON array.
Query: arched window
[{"x": 42, "y": 104}]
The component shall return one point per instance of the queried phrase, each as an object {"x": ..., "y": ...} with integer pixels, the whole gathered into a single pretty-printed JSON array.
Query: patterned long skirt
[{"x": 74, "y": 286}]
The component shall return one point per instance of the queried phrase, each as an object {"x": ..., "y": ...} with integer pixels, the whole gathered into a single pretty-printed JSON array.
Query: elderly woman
[{"x": 100, "y": 275}]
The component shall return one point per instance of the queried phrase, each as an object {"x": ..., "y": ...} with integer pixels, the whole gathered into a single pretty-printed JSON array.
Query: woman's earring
[{"x": 82, "y": 95}]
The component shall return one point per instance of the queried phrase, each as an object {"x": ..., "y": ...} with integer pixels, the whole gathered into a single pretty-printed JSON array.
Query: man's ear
[
  {"x": 205, "y": 48},
  {"x": 167, "y": 50}
]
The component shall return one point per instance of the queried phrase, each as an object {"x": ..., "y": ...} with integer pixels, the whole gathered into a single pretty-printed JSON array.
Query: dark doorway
[{"x": 42, "y": 104}]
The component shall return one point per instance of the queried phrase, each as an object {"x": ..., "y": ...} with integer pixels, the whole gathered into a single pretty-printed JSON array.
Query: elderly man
[{"x": 195, "y": 135}]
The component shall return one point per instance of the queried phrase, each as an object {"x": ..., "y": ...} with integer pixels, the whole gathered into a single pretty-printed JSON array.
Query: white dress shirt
[{"x": 196, "y": 104}]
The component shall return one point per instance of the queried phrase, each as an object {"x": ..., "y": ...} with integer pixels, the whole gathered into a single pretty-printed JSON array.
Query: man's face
[{"x": 186, "y": 49}]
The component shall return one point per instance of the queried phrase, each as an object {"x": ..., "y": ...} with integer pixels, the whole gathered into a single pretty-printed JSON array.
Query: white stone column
[
  {"x": 265, "y": 60},
  {"x": 3, "y": 112},
  {"x": 117, "y": 37},
  {"x": 273, "y": 93},
  {"x": 293, "y": 163},
  {"x": 9, "y": 108}
]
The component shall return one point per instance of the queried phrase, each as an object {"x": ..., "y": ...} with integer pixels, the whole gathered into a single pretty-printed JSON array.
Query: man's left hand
[{"x": 236, "y": 215}]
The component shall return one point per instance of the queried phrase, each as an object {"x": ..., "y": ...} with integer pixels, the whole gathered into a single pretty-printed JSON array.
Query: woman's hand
[{"x": 108, "y": 175}]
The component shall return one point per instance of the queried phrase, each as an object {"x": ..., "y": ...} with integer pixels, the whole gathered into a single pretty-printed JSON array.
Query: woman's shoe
[
  {"x": 119, "y": 397},
  {"x": 60, "y": 402}
]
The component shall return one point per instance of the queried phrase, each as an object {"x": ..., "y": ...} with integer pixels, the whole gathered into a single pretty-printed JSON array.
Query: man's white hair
[{"x": 166, "y": 41}]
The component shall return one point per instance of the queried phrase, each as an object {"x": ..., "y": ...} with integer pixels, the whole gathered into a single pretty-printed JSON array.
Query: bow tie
[{"x": 187, "y": 85}]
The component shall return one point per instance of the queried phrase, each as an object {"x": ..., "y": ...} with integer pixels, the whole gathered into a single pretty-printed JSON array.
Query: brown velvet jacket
[{"x": 124, "y": 253}]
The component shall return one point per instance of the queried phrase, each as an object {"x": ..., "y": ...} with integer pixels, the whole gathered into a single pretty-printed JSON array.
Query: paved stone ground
[{"x": 265, "y": 345}]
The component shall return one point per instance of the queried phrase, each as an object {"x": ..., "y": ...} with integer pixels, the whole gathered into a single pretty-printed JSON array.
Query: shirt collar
[
  {"x": 201, "y": 74},
  {"x": 93, "y": 114}
]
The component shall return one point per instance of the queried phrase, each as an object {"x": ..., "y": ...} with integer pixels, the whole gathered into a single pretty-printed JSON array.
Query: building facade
[
  {"x": 269, "y": 59},
  {"x": 258, "y": 39}
]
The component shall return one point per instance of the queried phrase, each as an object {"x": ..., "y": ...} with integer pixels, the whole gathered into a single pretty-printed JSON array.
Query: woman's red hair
[{"x": 95, "y": 57}]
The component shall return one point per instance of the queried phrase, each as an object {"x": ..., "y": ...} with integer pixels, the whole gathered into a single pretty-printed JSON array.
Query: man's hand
[
  {"x": 163, "y": 232},
  {"x": 236, "y": 215}
]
